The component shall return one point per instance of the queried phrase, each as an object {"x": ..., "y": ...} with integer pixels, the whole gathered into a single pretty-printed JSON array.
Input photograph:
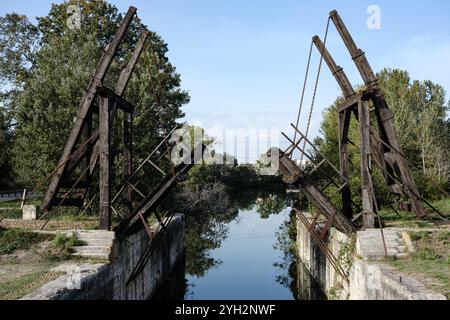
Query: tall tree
[{"x": 48, "y": 99}]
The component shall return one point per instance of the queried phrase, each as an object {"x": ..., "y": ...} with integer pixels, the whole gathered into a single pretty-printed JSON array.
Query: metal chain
[
  {"x": 303, "y": 93},
  {"x": 315, "y": 89}
]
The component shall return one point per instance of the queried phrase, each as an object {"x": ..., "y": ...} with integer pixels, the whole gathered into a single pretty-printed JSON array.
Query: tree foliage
[{"x": 51, "y": 74}]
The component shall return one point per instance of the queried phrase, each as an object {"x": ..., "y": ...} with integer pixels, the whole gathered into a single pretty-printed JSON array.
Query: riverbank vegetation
[{"x": 430, "y": 262}]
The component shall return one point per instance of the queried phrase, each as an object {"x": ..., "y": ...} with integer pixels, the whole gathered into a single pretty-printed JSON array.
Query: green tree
[
  {"x": 19, "y": 41},
  {"x": 5, "y": 143},
  {"x": 47, "y": 100}
]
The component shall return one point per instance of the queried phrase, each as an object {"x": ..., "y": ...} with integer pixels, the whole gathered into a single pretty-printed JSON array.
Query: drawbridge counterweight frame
[{"x": 89, "y": 146}]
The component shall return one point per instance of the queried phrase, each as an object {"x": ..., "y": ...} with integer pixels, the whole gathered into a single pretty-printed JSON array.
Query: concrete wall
[
  {"x": 374, "y": 281},
  {"x": 106, "y": 281},
  {"x": 162, "y": 262},
  {"x": 369, "y": 280},
  {"x": 315, "y": 261}
]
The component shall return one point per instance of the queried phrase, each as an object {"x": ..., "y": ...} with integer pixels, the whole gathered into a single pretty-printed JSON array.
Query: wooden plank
[
  {"x": 81, "y": 153},
  {"x": 126, "y": 73},
  {"x": 337, "y": 71},
  {"x": 105, "y": 164},
  {"x": 85, "y": 106},
  {"x": 366, "y": 153},
  {"x": 150, "y": 203}
]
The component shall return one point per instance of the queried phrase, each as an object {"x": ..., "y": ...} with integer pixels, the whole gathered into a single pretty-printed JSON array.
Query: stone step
[
  {"x": 95, "y": 234},
  {"x": 378, "y": 236},
  {"x": 92, "y": 255},
  {"x": 98, "y": 242},
  {"x": 92, "y": 249}
]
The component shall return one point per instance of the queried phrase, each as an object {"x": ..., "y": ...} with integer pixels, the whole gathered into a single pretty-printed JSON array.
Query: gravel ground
[{"x": 51, "y": 225}]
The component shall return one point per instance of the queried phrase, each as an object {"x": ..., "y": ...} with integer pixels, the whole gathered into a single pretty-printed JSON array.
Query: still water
[{"x": 244, "y": 253}]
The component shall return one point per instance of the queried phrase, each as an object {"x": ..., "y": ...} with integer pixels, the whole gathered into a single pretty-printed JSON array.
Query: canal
[{"x": 244, "y": 252}]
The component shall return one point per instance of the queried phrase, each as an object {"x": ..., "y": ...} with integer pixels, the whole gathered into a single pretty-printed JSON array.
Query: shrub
[
  {"x": 65, "y": 242},
  {"x": 427, "y": 254}
]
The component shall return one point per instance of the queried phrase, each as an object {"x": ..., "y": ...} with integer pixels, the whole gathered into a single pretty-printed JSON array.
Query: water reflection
[{"x": 242, "y": 250}]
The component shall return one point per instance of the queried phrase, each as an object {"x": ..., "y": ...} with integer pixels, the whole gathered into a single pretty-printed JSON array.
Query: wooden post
[
  {"x": 87, "y": 150},
  {"x": 105, "y": 163},
  {"x": 365, "y": 151},
  {"x": 127, "y": 158},
  {"x": 344, "y": 124}
]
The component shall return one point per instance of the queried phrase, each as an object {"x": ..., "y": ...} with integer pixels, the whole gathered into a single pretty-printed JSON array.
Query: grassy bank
[
  {"x": 404, "y": 219},
  {"x": 26, "y": 259},
  {"x": 431, "y": 260}
]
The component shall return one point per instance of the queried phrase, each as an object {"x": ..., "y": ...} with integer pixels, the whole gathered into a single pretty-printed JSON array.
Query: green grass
[
  {"x": 431, "y": 260},
  {"x": 17, "y": 203},
  {"x": 65, "y": 242},
  {"x": 17, "y": 288},
  {"x": 410, "y": 220},
  {"x": 436, "y": 273},
  {"x": 13, "y": 239}
]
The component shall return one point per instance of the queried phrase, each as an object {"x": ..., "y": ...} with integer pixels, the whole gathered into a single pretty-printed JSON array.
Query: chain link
[
  {"x": 315, "y": 90},
  {"x": 303, "y": 93}
]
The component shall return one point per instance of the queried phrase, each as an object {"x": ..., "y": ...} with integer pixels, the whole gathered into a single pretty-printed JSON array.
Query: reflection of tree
[
  {"x": 208, "y": 211},
  {"x": 203, "y": 236},
  {"x": 285, "y": 243},
  {"x": 209, "y": 208},
  {"x": 271, "y": 204}
]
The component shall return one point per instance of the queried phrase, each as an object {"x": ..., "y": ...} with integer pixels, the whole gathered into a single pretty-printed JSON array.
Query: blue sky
[{"x": 243, "y": 62}]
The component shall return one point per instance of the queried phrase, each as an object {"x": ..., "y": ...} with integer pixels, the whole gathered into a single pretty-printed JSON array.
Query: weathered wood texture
[
  {"x": 357, "y": 55},
  {"x": 389, "y": 151},
  {"x": 148, "y": 205},
  {"x": 292, "y": 174},
  {"x": 344, "y": 125},
  {"x": 85, "y": 107},
  {"x": 365, "y": 152},
  {"x": 105, "y": 163},
  {"x": 336, "y": 70}
]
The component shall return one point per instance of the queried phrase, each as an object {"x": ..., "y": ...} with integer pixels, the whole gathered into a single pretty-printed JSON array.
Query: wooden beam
[
  {"x": 85, "y": 107},
  {"x": 105, "y": 163},
  {"x": 357, "y": 55},
  {"x": 350, "y": 102},
  {"x": 118, "y": 100},
  {"x": 337, "y": 71},
  {"x": 150, "y": 203},
  {"x": 122, "y": 84},
  {"x": 366, "y": 154},
  {"x": 293, "y": 175}
]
